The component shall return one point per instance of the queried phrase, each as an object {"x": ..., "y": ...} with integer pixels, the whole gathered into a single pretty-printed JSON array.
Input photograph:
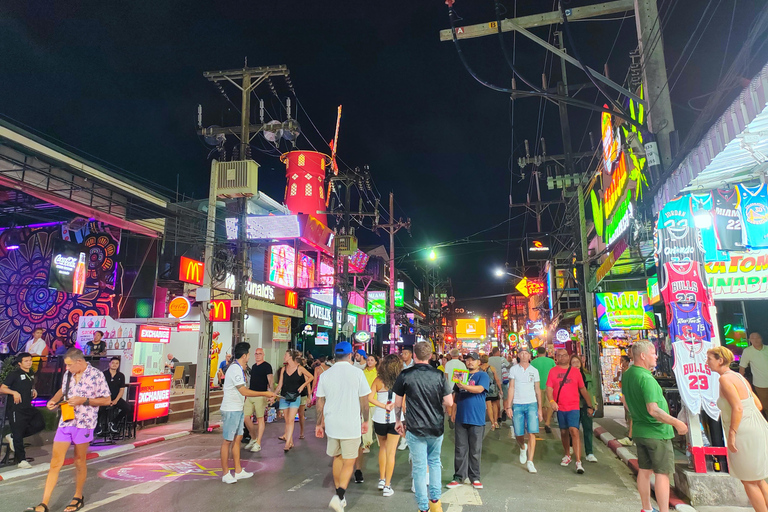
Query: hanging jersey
[
  {"x": 677, "y": 238},
  {"x": 727, "y": 220},
  {"x": 753, "y": 208},
  {"x": 702, "y": 207},
  {"x": 689, "y": 323},
  {"x": 699, "y": 386},
  {"x": 682, "y": 282}
]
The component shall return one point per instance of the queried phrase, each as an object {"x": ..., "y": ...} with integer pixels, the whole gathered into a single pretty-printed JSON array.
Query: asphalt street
[{"x": 184, "y": 475}]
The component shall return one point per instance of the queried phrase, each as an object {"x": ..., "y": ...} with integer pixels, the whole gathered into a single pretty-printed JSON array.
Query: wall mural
[{"x": 27, "y": 303}]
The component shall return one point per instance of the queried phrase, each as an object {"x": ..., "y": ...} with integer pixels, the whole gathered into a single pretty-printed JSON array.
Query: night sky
[{"x": 123, "y": 81}]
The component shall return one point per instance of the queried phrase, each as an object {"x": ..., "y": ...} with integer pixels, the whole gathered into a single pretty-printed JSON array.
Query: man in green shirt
[
  {"x": 543, "y": 364},
  {"x": 652, "y": 426}
]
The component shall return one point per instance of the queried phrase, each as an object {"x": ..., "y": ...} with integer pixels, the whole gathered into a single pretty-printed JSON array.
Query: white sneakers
[
  {"x": 591, "y": 458},
  {"x": 250, "y": 444},
  {"x": 531, "y": 467},
  {"x": 387, "y": 491},
  {"x": 579, "y": 467},
  {"x": 228, "y": 478},
  {"x": 565, "y": 460},
  {"x": 403, "y": 444},
  {"x": 255, "y": 448},
  {"x": 524, "y": 454},
  {"x": 382, "y": 484},
  {"x": 231, "y": 479},
  {"x": 337, "y": 504},
  {"x": 625, "y": 441},
  {"x": 9, "y": 439},
  {"x": 24, "y": 465}
]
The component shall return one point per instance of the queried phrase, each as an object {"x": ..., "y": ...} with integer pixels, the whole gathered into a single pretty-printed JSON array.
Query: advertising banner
[
  {"x": 153, "y": 399},
  {"x": 320, "y": 314},
  {"x": 281, "y": 328},
  {"x": 191, "y": 271},
  {"x": 624, "y": 311},
  {"x": 470, "y": 328},
  {"x": 743, "y": 276},
  {"x": 221, "y": 310},
  {"x": 68, "y": 268},
  {"x": 377, "y": 306},
  {"x": 154, "y": 334}
]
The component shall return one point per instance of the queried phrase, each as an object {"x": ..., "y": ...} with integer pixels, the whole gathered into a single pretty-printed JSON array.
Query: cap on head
[
  {"x": 473, "y": 355},
  {"x": 362, "y": 353},
  {"x": 343, "y": 348}
]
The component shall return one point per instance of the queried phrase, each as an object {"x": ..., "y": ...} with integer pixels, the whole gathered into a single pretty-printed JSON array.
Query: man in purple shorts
[{"x": 84, "y": 389}]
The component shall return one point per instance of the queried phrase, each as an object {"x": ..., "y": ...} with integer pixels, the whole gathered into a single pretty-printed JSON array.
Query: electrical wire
[{"x": 510, "y": 61}]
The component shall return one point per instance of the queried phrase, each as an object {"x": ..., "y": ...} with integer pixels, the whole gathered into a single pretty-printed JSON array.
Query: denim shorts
[
  {"x": 232, "y": 424},
  {"x": 285, "y": 404},
  {"x": 568, "y": 419},
  {"x": 526, "y": 417}
]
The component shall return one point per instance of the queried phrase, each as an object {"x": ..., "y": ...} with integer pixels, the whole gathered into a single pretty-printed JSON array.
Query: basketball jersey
[
  {"x": 689, "y": 323},
  {"x": 753, "y": 207},
  {"x": 727, "y": 220},
  {"x": 702, "y": 205},
  {"x": 699, "y": 386},
  {"x": 677, "y": 238},
  {"x": 682, "y": 282}
]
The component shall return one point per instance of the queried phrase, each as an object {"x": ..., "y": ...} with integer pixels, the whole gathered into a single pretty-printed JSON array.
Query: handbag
[
  {"x": 291, "y": 396},
  {"x": 67, "y": 411},
  {"x": 560, "y": 389}
]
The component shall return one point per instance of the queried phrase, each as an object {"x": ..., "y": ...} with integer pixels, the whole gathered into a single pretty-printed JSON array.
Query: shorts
[
  {"x": 255, "y": 406},
  {"x": 491, "y": 398},
  {"x": 568, "y": 419},
  {"x": 544, "y": 402},
  {"x": 656, "y": 455},
  {"x": 304, "y": 400},
  {"x": 385, "y": 429},
  {"x": 347, "y": 448},
  {"x": 73, "y": 435},
  {"x": 627, "y": 416},
  {"x": 284, "y": 404},
  {"x": 525, "y": 417},
  {"x": 232, "y": 424}
]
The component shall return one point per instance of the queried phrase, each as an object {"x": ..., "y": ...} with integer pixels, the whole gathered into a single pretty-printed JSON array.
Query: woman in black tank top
[{"x": 294, "y": 379}]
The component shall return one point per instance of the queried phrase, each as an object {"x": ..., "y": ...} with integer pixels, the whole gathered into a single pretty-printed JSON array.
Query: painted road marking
[
  {"x": 300, "y": 485},
  {"x": 143, "y": 488},
  {"x": 599, "y": 489},
  {"x": 460, "y": 496},
  {"x": 173, "y": 470}
]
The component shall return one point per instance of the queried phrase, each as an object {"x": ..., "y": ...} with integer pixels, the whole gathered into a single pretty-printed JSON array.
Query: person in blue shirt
[{"x": 469, "y": 417}]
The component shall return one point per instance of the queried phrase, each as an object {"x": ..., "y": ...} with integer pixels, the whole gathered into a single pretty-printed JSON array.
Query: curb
[
  {"x": 630, "y": 459},
  {"x": 42, "y": 468}
]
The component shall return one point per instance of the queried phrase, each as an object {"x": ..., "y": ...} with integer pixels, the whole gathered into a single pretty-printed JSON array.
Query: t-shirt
[
  {"x": 470, "y": 407},
  {"x": 96, "y": 348},
  {"x": 35, "y": 347},
  {"x": 640, "y": 388},
  {"x": 497, "y": 362},
  {"x": 525, "y": 380},
  {"x": 233, "y": 400},
  {"x": 342, "y": 386},
  {"x": 544, "y": 364},
  {"x": 260, "y": 376},
  {"x": 568, "y": 398},
  {"x": 453, "y": 364},
  {"x": 757, "y": 360},
  {"x": 424, "y": 388},
  {"x": 115, "y": 383},
  {"x": 408, "y": 365},
  {"x": 22, "y": 382}
]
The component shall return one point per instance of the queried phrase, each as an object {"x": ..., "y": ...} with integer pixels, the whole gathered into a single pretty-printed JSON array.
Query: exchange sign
[{"x": 153, "y": 397}]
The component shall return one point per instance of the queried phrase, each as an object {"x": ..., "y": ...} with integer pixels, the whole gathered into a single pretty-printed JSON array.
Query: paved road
[{"x": 181, "y": 475}]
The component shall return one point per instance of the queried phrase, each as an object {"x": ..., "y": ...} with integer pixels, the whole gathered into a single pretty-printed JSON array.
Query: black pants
[
  {"x": 25, "y": 422},
  {"x": 469, "y": 448},
  {"x": 113, "y": 413}
]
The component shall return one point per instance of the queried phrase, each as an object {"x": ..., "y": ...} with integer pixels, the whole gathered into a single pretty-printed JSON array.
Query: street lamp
[
  {"x": 501, "y": 272},
  {"x": 432, "y": 255}
]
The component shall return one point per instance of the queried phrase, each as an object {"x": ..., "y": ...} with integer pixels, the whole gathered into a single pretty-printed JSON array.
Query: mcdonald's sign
[
  {"x": 291, "y": 299},
  {"x": 191, "y": 271},
  {"x": 221, "y": 311}
]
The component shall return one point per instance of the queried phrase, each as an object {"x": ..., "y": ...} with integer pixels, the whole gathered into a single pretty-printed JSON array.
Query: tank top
[
  {"x": 682, "y": 282},
  {"x": 292, "y": 383},
  {"x": 383, "y": 416},
  {"x": 753, "y": 207},
  {"x": 727, "y": 220},
  {"x": 750, "y": 462}
]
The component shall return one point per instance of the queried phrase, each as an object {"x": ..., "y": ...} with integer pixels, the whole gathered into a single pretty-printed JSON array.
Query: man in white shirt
[
  {"x": 406, "y": 356},
  {"x": 342, "y": 397},
  {"x": 232, "y": 416},
  {"x": 756, "y": 358},
  {"x": 524, "y": 405},
  {"x": 36, "y": 346}
]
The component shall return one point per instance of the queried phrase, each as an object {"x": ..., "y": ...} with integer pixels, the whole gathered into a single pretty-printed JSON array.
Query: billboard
[
  {"x": 624, "y": 311},
  {"x": 400, "y": 295},
  {"x": 377, "y": 306},
  {"x": 154, "y": 334},
  {"x": 68, "y": 268},
  {"x": 320, "y": 314},
  {"x": 191, "y": 271},
  {"x": 281, "y": 328},
  {"x": 469, "y": 328},
  {"x": 741, "y": 276},
  {"x": 153, "y": 397},
  {"x": 305, "y": 277},
  {"x": 282, "y": 262}
]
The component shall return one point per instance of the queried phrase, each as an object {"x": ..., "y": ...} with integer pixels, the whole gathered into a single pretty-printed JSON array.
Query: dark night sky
[{"x": 122, "y": 82}]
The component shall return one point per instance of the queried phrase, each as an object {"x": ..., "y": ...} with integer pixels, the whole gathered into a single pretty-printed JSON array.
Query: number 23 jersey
[{"x": 699, "y": 386}]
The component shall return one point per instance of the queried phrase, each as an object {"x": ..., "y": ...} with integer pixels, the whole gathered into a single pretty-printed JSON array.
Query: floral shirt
[{"x": 92, "y": 385}]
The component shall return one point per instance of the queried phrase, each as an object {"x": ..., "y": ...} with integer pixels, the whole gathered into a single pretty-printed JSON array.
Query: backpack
[{"x": 493, "y": 388}]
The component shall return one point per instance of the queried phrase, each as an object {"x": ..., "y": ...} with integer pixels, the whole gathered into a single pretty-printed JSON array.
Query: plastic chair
[{"x": 178, "y": 377}]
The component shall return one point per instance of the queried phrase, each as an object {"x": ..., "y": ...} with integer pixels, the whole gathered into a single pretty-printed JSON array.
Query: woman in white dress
[{"x": 747, "y": 429}]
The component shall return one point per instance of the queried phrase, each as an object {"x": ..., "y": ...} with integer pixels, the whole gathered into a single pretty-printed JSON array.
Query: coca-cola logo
[{"x": 65, "y": 264}]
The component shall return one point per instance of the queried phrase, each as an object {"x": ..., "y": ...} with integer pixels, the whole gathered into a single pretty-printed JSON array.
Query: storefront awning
[{"x": 260, "y": 305}]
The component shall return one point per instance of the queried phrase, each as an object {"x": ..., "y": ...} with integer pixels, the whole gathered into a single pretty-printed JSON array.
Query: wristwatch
[{"x": 87, "y": 401}]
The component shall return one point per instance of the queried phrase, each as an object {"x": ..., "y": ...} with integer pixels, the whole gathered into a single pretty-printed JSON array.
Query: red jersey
[
  {"x": 568, "y": 398},
  {"x": 683, "y": 283}
]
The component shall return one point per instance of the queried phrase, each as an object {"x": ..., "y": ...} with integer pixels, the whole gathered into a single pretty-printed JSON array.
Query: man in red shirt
[{"x": 563, "y": 387}]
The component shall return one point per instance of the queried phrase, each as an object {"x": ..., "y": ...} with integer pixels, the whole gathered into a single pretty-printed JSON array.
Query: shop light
[{"x": 702, "y": 219}]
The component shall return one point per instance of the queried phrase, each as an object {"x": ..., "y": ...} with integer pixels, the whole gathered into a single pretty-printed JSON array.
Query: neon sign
[
  {"x": 282, "y": 261},
  {"x": 625, "y": 311},
  {"x": 620, "y": 222},
  {"x": 611, "y": 142}
]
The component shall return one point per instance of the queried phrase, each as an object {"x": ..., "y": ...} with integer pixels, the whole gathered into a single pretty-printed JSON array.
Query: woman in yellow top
[{"x": 370, "y": 375}]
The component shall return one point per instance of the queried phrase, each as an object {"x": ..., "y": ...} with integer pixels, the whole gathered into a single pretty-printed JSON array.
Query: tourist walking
[
  {"x": 584, "y": 415},
  {"x": 543, "y": 365},
  {"x": 524, "y": 407},
  {"x": 382, "y": 399},
  {"x": 25, "y": 419},
  {"x": 469, "y": 419},
  {"x": 492, "y": 398},
  {"x": 755, "y": 357},
  {"x": 293, "y": 379},
  {"x": 747, "y": 438},
  {"x": 429, "y": 393},
  {"x": 261, "y": 380},
  {"x": 370, "y": 371},
  {"x": 652, "y": 425},
  {"x": 342, "y": 398}
]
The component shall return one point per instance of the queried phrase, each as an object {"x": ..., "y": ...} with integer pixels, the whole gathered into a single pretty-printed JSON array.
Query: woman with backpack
[
  {"x": 384, "y": 418},
  {"x": 492, "y": 403}
]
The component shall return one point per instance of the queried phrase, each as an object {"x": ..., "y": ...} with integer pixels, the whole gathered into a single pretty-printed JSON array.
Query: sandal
[
  {"x": 301, "y": 436},
  {"x": 75, "y": 504},
  {"x": 34, "y": 509},
  {"x": 282, "y": 438}
]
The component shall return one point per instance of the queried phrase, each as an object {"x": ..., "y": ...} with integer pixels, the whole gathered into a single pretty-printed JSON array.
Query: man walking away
[
  {"x": 524, "y": 406},
  {"x": 342, "y": 397},
  {"x": 25, "y": 420},
  {"x": 428, "y": 394},
  {"x": 544, "y": 364},
  {"x": 652, "y": 426},
  {"x": 261, "y": 380},
  {"x": 469, "y": 417},
  {"x": 232, "y": 416},
  {"x": 564, "y": 385},
  {"x": 756, "y": 358}
]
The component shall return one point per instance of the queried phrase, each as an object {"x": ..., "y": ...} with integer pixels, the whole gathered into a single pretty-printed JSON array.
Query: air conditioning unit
[{"x": 239, "y": 178}]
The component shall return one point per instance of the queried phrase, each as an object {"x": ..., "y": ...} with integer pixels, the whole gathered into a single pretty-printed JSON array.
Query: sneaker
[
  {"x": 387, "y": 491},
  {"x": 337, "y": 504},
  {"x": 382, "y": 484},
  {"x": 625, "y": 441},
  {"x": 359, "y": 476},
  {"x": 9, "y": 439},
  {"x": 565, "y": 460},
  {"x": 413, "y": 486},
  {"x": 591, "y": 458},
  {"x": 477, "y": 484},
  {"x": 570, "y": 450},
  {"x": 228, "y": 478},
  {"x": 453, "y": 484},
  {"x": 243, "y": 474},
  {"x": 524, "y": 454},
  {"x": 403, "y": 444},
  {"x": 579, "y": 467},
  {"x": 256, "y": 447},
  {"x": 250, "y": 445},
  {"x": 531, "y": 467},
  {"x": 547, "y": 429},
  {"x": 366, "y": 450},
  {"x": 435, "y": 506},
  {"x": 24, "y": 465}
]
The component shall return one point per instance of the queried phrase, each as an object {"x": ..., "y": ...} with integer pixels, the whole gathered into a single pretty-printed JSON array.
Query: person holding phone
[{"x": 84, "y": 389}]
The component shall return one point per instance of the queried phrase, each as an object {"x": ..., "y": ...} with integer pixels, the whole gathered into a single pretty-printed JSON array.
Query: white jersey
[{"x": 699, "y": 386}]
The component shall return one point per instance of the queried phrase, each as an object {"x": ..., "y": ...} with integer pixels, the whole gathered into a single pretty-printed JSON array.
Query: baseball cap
[
  {"x": 343, "y": 348},
  {"x": 473, "y": 355},
  {"x": 362, "y": 353}
]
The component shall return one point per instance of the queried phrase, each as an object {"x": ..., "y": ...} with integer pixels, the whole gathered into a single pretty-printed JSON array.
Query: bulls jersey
[
  {"x": 753, "y": 208},
  {"x": 727, "y": 220},
  {"x": 702, "y": 205},
  {"x": 682, "y": 282},
  {"x": 688, "y": 322},
  {"x": 677, "y": 238},
  {"x": 699, "y": 386}
]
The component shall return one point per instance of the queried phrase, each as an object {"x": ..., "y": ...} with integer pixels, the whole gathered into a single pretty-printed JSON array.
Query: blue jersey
[
  {"x": 702, "y": 206},
  {"x": 688, "y": 323},
  {"x": 753, "y": 208}
]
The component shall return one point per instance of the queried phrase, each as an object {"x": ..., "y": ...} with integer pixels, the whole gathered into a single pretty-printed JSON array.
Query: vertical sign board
[
  {"x": 281, "y": 328},
  {"x": 153, "y": 398},
  {"x": 221, "y": 311},
  {"x": 400, "y": 295},
  {"x": 377, "y": 306},
  {"x": 191, "y": 271}
]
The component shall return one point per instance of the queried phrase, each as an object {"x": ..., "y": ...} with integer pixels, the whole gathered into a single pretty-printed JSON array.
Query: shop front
[{"x": 319, "y": 317}]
